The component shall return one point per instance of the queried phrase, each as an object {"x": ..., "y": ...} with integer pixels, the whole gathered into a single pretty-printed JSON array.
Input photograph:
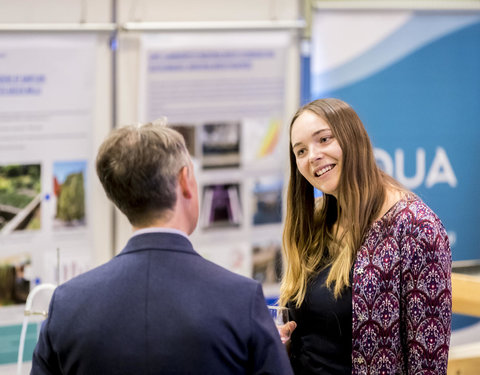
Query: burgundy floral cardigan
[{"x": 401, "y": 294}]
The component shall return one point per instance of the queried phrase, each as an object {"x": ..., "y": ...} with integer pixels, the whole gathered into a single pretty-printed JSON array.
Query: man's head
[{"x": 140, "y": 168}]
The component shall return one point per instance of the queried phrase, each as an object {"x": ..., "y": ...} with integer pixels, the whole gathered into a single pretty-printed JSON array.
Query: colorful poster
[
  {"x": 225, "y": 93},
  {"x": 47, "y": 86}
]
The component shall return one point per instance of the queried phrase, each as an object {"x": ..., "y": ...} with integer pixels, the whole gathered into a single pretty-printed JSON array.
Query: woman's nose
[{"x": 315, "y": 153}]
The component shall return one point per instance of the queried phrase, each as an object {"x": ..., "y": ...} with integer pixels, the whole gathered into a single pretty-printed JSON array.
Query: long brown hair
[{"x": 310, "y": 240}]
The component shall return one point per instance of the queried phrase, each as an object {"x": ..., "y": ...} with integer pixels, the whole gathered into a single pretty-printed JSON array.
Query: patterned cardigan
[{"x": 401, "y": 294}]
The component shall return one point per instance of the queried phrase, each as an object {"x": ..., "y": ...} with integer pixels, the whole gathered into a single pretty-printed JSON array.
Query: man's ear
[{"x": 183, "y": 182}]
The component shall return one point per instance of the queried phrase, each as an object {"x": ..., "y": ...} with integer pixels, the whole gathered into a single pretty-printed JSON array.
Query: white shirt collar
[{"x": 159, "y": 230}]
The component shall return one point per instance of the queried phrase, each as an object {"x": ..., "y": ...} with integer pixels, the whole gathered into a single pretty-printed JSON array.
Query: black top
[{"x": 322, "y": 341}]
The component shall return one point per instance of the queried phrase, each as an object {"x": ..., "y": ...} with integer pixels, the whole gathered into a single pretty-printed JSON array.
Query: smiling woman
[
  {"x": 317, "y": 152},
  {"x": 368, "y": 264}
]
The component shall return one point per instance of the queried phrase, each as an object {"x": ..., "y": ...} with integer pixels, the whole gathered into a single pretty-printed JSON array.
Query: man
[{"x": 158, "y": 307}]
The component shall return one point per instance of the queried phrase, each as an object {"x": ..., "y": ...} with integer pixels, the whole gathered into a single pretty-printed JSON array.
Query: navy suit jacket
[{"x": 158, "y": 307}]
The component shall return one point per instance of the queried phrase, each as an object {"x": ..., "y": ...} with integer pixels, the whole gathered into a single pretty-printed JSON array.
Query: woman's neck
[{"x": 392, "y": 196}]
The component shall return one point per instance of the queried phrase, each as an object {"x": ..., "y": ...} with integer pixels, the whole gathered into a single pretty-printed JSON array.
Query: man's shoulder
[
  {"x": 90, "y": 277},
  {"x": 219, "y": 272}
]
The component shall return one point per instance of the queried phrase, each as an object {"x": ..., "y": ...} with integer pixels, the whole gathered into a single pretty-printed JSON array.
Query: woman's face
[{"x": 317, "y": 152}]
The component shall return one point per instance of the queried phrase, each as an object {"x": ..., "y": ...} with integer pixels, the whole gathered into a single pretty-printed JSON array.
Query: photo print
[
  {"x": 65, "y": 262},
  {"x": 267, "y": 200},
  {"x": 267, "y": 264},
  {"x": 14, "y": 279},
  {"x": 234, "y": 256},
  {"x": 264, "y": 136},
  {"x": 69, "y": 193},
  {"x": 221, "y": 206},
  {"x": 220, "y": 145},
  {"x": 20, "y": 197},
  {"x": 189, "y": 134}
]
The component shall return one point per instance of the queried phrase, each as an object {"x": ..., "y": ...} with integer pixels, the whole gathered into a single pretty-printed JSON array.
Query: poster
[
  {"x": 225, "y": 93},
  {"x": 414, "y": 78},
  {"x": 47, "y": 85}
]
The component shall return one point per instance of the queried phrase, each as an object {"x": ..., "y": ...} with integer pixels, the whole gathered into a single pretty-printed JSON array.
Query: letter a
[{"x": 441, "y": 170}]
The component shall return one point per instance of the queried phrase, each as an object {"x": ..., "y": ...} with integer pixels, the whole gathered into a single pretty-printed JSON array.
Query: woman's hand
[{"x": 286, "y": 331}]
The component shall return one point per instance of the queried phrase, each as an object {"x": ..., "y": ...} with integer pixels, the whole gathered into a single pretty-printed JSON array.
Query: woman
[{"x": 368, "y": 264}]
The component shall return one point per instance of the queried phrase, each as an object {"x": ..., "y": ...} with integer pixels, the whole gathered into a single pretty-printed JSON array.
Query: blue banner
[{"x": 416, "y": 87}]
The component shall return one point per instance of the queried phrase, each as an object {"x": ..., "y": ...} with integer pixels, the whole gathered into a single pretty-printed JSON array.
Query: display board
[
  {"x": 414, "y": 78},
  {"x": 226, "y": 93},
  {"x": 46, "y": 123}
]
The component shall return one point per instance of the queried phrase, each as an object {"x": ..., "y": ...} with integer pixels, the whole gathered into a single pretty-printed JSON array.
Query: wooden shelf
[
  {"x": 465, "y": 294},
  {"x": 465, "y": 359}
]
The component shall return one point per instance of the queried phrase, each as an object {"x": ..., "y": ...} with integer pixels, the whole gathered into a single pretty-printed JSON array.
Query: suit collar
[
  {"x": 158, "y": 241},
  {"x": 159, "y": 230}
]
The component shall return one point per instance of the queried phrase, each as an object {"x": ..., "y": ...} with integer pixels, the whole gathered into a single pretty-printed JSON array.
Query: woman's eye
[
  {"x": 325, "y": 139},
  {"x": 300, "y": 152}
]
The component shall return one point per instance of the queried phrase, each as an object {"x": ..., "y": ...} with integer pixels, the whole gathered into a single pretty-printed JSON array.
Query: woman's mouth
[{"x": 324, "y": 170}]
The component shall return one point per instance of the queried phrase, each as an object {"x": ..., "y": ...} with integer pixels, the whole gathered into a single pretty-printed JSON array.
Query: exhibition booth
[{"x": 229, "y": 78}]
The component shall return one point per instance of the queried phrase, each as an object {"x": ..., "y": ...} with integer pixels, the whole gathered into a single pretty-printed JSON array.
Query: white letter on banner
[
  {"x": 383, "y": 160},
  {"x": 441, "y": 170},
  {"x": 410, "y": 182}
]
